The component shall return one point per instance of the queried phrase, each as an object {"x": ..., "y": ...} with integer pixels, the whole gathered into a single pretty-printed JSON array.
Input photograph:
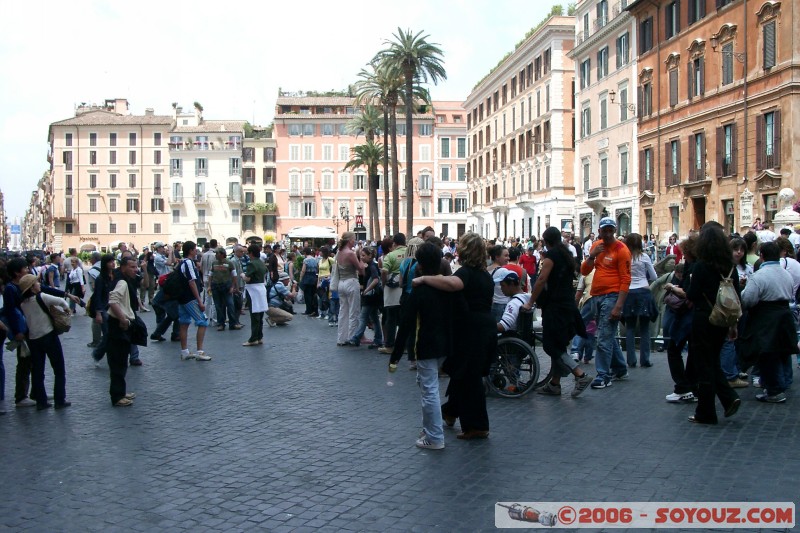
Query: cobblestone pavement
[{"x": 299, "y": 435}]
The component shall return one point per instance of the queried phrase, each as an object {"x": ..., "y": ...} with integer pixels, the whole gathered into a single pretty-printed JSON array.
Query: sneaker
[
  {"x": 738, "y": 383},
  {"x": 25, "y": 402},
  {"x": 332, "y": 324},
  {"x": 136, "y": 362},
  {"x": 678, "y": 398},
  {"x": 271, "y": 323},
  {"x": 63, "y": 405},
  {"x": 423, "y": 442},
  {"x": 186, "y": 355},
  {"x": 201, "y": 356},
  {"x": 575, "y": 356},
  {"x": 620, "y": 377},
  {"x": 550, "y": 390},
  {"x": 756, "y": 381},
  {"x": 744, "y": 375},
  {"x": 580, "y": 384},
  {"x": 601, "y": 383},
  {"x": 385, "y": 349},
  {"x": 124, "y": 402},
  {"x": 775, "y": 398},
  {"x": 323, "y": 317},
  {"x": 130, "y": 395},
  {"x": 157, "y": 338}
]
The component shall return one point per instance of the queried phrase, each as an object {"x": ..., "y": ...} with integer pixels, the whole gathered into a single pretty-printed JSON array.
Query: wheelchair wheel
[{"x": 515, "y": 370}]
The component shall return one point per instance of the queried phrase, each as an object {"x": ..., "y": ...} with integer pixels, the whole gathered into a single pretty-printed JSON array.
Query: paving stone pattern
[{"x": 299, "y": 435}]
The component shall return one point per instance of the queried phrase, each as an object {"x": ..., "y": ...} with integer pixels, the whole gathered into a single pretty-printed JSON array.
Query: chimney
[{"x": 149, "y": 112}]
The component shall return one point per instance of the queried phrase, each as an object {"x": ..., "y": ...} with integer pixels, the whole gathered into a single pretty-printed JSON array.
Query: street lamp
[
  {"x": 740, "y": 56},
  {"x": 344, "y": 211},
  {"x": 335, "y": 221},
  {"x": 613, "y": 94}
]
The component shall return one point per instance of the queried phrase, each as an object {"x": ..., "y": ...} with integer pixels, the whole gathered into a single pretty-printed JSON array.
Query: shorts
[{"x": 191, "y": 311}]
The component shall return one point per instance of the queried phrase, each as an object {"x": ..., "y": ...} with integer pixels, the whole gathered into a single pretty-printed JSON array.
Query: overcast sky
[{"x": 230, "y": 57}]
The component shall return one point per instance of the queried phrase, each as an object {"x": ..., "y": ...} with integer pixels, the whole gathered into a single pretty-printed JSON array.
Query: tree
[
  {"x": 368, "y": 156},
  {"x": 369, "y": 122},
  {"x": 420, "y": 61}
]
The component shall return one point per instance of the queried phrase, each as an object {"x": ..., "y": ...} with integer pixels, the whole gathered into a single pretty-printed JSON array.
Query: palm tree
[
  {"x": 369, "y": 122},
  {"x": 419, "y": 61},
  {"x": 368, "y": 155}
]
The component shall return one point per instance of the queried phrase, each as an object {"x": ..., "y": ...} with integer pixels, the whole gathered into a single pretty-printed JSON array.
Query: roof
[
  {"x": 333, "y": 116},
  {"x": 101, "y": 118},
  {"x": 316, "y": 100},
  {"x": 212, "y": 126}
]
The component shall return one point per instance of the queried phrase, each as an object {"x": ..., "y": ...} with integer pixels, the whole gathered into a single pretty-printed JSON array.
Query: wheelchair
[{"x": 518, "y": 367}]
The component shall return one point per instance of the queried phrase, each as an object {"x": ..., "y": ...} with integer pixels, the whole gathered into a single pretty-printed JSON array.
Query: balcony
[
  {"x": 175, "y": 172},
  {"x": 580, "y": 37},
  {"x": 235, "y": 199},
  {"x": 175, "y": 200},
  {"x": 525, "y": 200},
  {"x": 308, "y": 192},
  {"x": 597, "y": 198},
  {"x": 200, "y": 199},
  {"x": 201, "y": 172},
  {"x": 294, "y": 192},
  {"x": 202, "y": 228},
  {"x": 425, "y": 193},
  {"x": 263, "y": 208},
  {"x": 500, "y": 204}
]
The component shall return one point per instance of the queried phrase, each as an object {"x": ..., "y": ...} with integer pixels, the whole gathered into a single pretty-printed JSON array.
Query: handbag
[
  {"x": 675, "y": 302},
  {"x": 335, "y": 276},
  {"x": 138, "y": 332},
  {"x": 62, "y": 320}
]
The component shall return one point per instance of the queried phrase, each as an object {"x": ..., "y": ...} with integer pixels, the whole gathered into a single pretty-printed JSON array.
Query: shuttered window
[
  {"x": 769, "y": 44},
  {"x": 727, "y": 64},
  {"x": 673, "y": 87}
]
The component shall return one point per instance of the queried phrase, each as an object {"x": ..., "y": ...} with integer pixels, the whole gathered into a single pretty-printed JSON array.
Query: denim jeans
[
  {"x": 2, "y": 366},
  {"x": 728, "y": 360},
  {"x": 428, "y": 381},
  {"x": 48, "y": 346},
  {"x": 166, "y": 314},
  {"x": 323, "y": 301},
  {"x": 223, "y": 300},
  {"x": 368, "y": 313},
  {"x": 333, "y": 310},
  {"x": 644, "y": 340},
  {"x": 609, "y": 358},
  {"x": 585, "y": 347}
]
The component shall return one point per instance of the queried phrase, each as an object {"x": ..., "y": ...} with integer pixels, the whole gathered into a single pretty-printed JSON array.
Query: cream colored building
[
  {"x": 205, "y": 170},
  {"x": 605, "y": 116},
  {"x": 108, "y": 173},
  {"x": 259, "y": 184},
  {"x": 37, "y": 226},
  {"x": 450, "y": 169},
  {"x": 520, "y": 136}
]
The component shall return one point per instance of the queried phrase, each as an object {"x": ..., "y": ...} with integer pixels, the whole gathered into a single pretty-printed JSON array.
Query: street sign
[
  {"x": 15, "y": 229},
  {"x": 359, "y": 220}
]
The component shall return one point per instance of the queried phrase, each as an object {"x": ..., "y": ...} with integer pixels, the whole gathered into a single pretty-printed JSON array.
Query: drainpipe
[
  {"x": 141, "y": 179},
  {"x": 746, "y": 130}
]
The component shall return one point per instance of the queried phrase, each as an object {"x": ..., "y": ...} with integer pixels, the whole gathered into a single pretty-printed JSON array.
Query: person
[
  {"x": 43, "y": 342},
  {"x": 587, "y": 243},
  {"x": 122, "y": 305},
  {"x": 349, "y": 267},
  {"x": 517, "y": 298},
  {"x": 371, "y": 298},
  {"x": 528, "y": 262},
  {"x": 770, "y": 335},
  {"x": 99, "y": 304},
  {"x": 392, "y": 289},
  {"x": 757, "y": 225},
  {"x": 561, "y": 320},
  {"x": 409, "y": 271},
  {"x": 75, "y": 282},
  {"x": 190, "y": 304},
  {"x": 51, "y": 277},
  {"x": 167, "y": 313},
  {"x": 255, "y": 277},
  {"x": 148, "y": 279},
  {"x": 429, "y": 313},
  {"x": 279, "y": 297},
  {"x": 611, "y": 261},
  {"x": 223, "y": 283},
  {"x": 728, "y": 356},
  {"x": 160, "y": 259},
  {"x": 673, "y": 248},
  {"x": 514, "y": 266},
  {"x": 475, "y": 345},
  {"x": 91, "y": 277},
  {"x": 237, "y": 259},
  {"x": 789, "y": 263},
  {"x": 308, "y": 282},
  {"x": 678, "y": 325},
  {"x": 640, "y": 308},
  {"x": 583, "y": 347},
  {"x": 324, "y": 267},
  {"x": 714, "y": 262},
  {"x": 498, "y": 255}
]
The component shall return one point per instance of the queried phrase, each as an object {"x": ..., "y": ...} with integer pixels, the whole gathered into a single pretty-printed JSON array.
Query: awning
[
  {"x": 312, "y": 232},
  {"x": 88, "y": 247}
]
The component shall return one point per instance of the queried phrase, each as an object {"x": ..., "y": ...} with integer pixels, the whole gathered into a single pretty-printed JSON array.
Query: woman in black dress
[{"x": 475, "y": 344}]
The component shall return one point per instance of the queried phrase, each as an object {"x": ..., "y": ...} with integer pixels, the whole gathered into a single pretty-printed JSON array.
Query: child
[
  {"x": 428, "y": 313},
  {"x": 511, "y": 287}
]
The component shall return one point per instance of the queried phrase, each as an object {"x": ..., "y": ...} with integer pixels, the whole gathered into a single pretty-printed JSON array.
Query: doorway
[{"x": 699, "y": 210}]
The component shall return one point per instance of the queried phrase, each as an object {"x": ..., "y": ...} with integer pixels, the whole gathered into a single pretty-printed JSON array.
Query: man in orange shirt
[{"x": 611, "y": 262}]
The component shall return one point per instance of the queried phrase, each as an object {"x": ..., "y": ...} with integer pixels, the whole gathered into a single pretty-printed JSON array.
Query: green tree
[
  {"x": 368, "y": 156},
  {"x": 368, "y": 122},
  {"x": 420, "y": 62}
]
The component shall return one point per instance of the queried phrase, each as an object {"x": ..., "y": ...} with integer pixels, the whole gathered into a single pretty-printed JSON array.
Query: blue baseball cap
[{"x": 606, "y": 222}]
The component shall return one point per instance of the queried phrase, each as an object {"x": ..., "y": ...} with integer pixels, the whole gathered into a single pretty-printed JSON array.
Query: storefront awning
[{"x": 312, "y": 232}]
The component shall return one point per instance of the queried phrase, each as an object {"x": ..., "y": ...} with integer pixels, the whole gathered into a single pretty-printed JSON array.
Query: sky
[{"x": 232, "y": 58}]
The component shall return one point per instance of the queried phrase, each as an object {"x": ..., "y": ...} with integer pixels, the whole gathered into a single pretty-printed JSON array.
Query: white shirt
[
  {"x": 511, "y": 314},
  {"x": 76, "y": 275},
  {"x": 766, "y": 236},
  {"x": 497, "y": 277},
  {"x": 794, "y": 238},
  {"x": 587, "y": 247},
  {"x": 793, "y": 267}
]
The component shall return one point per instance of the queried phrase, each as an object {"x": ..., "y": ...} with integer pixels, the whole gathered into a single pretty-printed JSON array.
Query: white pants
[{"x": 349, "y": 309}]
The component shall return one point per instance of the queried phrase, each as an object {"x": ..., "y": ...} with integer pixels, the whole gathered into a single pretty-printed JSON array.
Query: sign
[
  {"x": 746, "y": 209},
  {"x": 359, "y": 220},
  {"x": 15, "y": 229}
]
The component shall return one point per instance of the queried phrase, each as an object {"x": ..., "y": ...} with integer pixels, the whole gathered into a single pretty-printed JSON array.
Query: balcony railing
[
  {"x": 234, "y": 198},
  {"x": 202, "y": 228},
  {"x": 600, "y": 22},
  {"x": 294, "y": 192},
  {"x": 580, "y": 37},
  {"x": 425, "y": 192},
  {"x": 200, "y": 199},
  {"x": 175, "y": 199},
  {"x": 201, "y": 172},
  {"x": 175, "y": 172},
  {"x": 308, "y": 191},
  {"x": 597, "y": 192}
]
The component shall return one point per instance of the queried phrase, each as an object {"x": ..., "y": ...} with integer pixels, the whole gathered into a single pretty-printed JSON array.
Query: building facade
[
  {"x": 520, "y": 138},
  {"x": 718, "y": 84},
  {"x": 37, "y": 226},
  {"x": 605, "y": 116},
  {"x": 314, "y": 144},
  {"x": 450, "y": 169},
  {"x": 259, "y": 186},
  {"x": 205, "y": 171},
  {"x": 108, "y": 169}
]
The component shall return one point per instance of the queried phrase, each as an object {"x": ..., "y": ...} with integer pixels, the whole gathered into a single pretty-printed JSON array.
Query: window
[
  {"x": 586, "y": 121},
  {"x": 67, "y": 160},
  {"x": 425, "y": 208},
  {"x": 673, "y": 87},
  {"x": 603, "y": 113},
  {"x": 132, "y": 157},
  {"x": 359, "y": 182},
  {"x": 327, "y": 152},
  {"x": 199, "y": 192},
  {"x": 697, "y": 10},
  {"x": 768, "y": 135},
  {"x": 235, "y": 167},
  {"x": 157, "y": 184},
  {"x": 673, "y": 162},
  {"x": 112, "y": 205},
  {"x": 157, "y": 157},
  {"x": 425, "y": 152},
  {"x": 112, "y": 181},
  {"x": 623, "y": 103},
  {"x": 112, "y": 139},
  {"x": 425, "y": 182},
  {"x": 177, "y": 192},
  {"x": 157, "y": 228},
  {"x": 461, "y": 204},
  {"x": 269, "y": 197},
  {"x": 92, "y": 139},
  {"x": 175, "y": 167},
  {"x": 112, "y": 157},
  {"x": 769, "y": 44},
  {"x": 157, "y": 138},
  {"x": 547, "y": 98},
  {"x": 697, "y": 157},
  {"x": 248, "y": 155},
  {"x": 92, "y": 181},
  {"x": 269, "y": 176},
  {"x": 646, "y": 169},
  {"x": 308, "y": 152},
  {"x": 308, "y": 184},
  {"x": 697, "y": 77},
  {"x": 726, "y": 150},
  {"x": 294, "y": 152},
  {"x": 308, "y": 129},
  {"x": 268, "y": 222},
  {"x": 444, "y": 204},
  {"x": 294, "y": 130},
  {"x": 92, "y": 205},
  {"x": 249, "y": 197},
  {"x": 235, "y": 215},
  {"x": 68, "y": 184},
  {"x": 645, "y": 35},
  {"x": 462, "y": 147},
  {"x": 157, "y": 205},
  {"x": 249, "y": 222},
  {"x": 445, "y": 173},
  {"x": 132, "y": 181},
  {"x": 646, "y": 99},
  {"x": 603, "y": 171},
  {"x": 92, "y": 157},
  {"x": 269, "y": 155},
  {"x": 727, "y": 64},
  {"x": 623, "y": 168},
  {"x": 344, "y": 152},
  {"x": 425, "y": 130},
  {"x": 132, "y": 139},
  {"x": 235, "y": 191},
  {"x": 93, "y": 227},
  {"x": 112, "y": 228},
  {"x": 67, "y": 139},
  {"x": 309, "y": 208},
  {"x": 132, "y": 205},
  {"x": 623, "y": 49},
  {"x": 201, "y": 167},
  {"x": 176, "y": 216},
  {"x": 602, "y": 63},
  {"x": 327, "y": 130},
  {"x": 586, "y": 66},
  {"x": 462, "y": 173},
  {"x": 672, "y": 19},
  {"x": 445, "y": 152}
]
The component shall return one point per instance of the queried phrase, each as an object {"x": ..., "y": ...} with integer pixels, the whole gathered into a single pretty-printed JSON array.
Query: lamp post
[
  {"x": 344, "y": 212},
  {"x": 631, "y": 107},
  {"x": 740, "y": 56},
  {"x": 335, "y": 221}
]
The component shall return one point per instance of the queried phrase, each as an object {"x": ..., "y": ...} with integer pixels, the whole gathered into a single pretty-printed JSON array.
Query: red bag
[{"x": 161, "y": 279}]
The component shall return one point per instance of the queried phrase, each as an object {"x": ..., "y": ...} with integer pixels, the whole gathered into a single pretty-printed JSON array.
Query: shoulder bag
[{"x": 62, "y": 320}]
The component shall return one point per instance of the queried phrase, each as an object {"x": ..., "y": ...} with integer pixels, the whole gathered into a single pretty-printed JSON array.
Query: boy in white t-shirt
[{"x": 510, "y": 285}]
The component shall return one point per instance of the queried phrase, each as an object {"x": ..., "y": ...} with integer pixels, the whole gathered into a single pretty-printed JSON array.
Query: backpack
[
  {"x": 408, "y": 273},
  {"x": 175, "y": 284},
  {"x": 727, "y": 308}
]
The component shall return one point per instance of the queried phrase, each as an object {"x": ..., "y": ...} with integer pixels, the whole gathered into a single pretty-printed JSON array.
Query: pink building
[
  {"x": 313, "y": 146},
  {"x": 450, "y": 183}
]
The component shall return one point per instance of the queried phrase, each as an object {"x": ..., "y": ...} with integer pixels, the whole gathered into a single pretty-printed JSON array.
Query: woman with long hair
[
  {"x": 640, "y": 308},
  {"x": 349, "y": 267},
  {"x": 678, "y": 325},
  {"x": 324, "y": 266},
  {"x": 371, "y": 299},
  {"x": 408, "y": 271},
  {"x": 714, "y": 262},
  {"x": 475, "y": 342},
  {"x": 728, "y": 357},
  {"x": 561, "y": 320},
  {"x": 255, "y": 276}
]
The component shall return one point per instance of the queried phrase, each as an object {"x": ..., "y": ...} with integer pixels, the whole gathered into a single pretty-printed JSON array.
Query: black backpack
[{"x": 176, "y": 285}]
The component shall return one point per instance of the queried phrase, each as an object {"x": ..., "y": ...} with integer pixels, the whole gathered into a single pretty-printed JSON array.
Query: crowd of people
[{"x": 443, "y": 303}]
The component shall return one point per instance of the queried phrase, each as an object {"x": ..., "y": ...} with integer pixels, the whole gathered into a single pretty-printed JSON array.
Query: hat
[
  {"x": 283, "y": 276},
  {"x": 26, "y": 282},
  {"x": 158, "y": 244},
  {"x": 797, "y": 226},
  {"x": 511, "y": 277},
  {"x": 606, "y": 222},
  {"x": 221, "y": 250}
]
